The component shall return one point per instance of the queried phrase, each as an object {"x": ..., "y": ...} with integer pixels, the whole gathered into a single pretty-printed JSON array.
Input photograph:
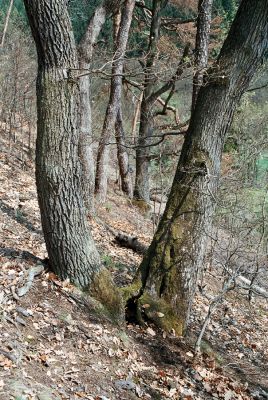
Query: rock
[{"x": 125, "y": 384}]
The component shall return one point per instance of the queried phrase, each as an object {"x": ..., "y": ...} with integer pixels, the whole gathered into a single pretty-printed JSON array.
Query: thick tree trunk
[
  {"x": 85, "y": 51},
  {"x": 169, "y": 271},
  {"x": 115, "y": 98},
  {"x": 122, "y": 155},
  {"x": 201, "y": 45},
  {"x": 70, "y": 247}
]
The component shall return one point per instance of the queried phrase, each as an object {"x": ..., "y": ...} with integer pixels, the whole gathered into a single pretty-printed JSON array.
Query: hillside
[{"x": 53, "y": 345}]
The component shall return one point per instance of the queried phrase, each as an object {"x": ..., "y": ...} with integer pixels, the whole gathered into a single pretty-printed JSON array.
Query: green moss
[
  {"x": 131, "y": 291},
  {"x": 108, "y": 295},
  {"x": 161, "y": 313}
]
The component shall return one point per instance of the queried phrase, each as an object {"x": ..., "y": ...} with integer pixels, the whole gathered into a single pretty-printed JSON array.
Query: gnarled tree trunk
[
  {"x": 71, "y": 250},
  {"x": 168, "y": 274}
]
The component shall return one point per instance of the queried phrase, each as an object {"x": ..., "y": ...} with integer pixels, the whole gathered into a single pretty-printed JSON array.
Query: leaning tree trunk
[
  {"x": 71, "y": 250},
  {"x": 169, "y": 271},
  {"x": 115, "y": 98},
  {"x": 201, "y": 45}
]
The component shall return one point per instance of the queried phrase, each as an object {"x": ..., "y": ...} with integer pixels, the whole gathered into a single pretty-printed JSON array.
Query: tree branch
[{"x": 171, "y": 83}]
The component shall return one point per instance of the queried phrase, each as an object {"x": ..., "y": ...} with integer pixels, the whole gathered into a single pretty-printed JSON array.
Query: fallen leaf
[{"x": 150, "y": 331}]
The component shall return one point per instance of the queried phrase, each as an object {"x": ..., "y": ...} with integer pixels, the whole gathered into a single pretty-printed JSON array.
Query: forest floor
[{"x": 53, "y": 347}]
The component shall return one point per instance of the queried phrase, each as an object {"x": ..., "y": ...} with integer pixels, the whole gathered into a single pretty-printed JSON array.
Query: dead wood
[{"x": 130, "y": 242}]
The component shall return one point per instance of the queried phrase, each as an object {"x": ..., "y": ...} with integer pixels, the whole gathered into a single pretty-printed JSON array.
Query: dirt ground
[{"x": 53, "y": 346}]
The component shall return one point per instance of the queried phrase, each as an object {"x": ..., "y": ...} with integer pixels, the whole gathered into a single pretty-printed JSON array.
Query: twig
[{"x": 34, "y": 271}]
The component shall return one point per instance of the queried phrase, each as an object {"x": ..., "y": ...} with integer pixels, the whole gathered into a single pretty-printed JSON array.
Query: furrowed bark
[
  {"x": 168, "y": 274},
  {"x": 72, "y": 252}
]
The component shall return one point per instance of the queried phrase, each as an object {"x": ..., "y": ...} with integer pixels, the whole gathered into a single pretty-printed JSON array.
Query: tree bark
[
  {"x": 168, "y": 274},
  {"x": 122, "y": 155},
  {"x": 142, "y": 184},
  {"x": 201, "y": 45},
  {"x": 72, "y": 252},
  {"x": 115, "y": 98},
  {"x": 85, "y": 51}
]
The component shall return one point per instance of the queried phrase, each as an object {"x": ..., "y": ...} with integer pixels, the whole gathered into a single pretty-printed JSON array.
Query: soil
[{"x": 54, "y": 346}]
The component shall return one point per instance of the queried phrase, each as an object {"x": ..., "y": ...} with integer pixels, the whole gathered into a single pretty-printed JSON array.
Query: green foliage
[
  {"x": 80, "y": 13},
  {"x": 226, "y": 9}
]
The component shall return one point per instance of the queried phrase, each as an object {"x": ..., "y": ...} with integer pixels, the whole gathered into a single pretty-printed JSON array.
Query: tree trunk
[
  {"x": 115, "y": 98},
  {"x": 201, "y": 45},
  {"x": 85, "y": 51},
  {"x": 122, "y": 155},
  {"x": 72, "y": 252},
  {"x": 168, "y": 274},
  {"x": 142, "y": 182}
]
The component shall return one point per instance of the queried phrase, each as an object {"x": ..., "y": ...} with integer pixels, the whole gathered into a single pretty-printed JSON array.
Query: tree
[
  {"x": 168, "y": 274},
  {"x": 114, "y": 100},
  {"x": 71, "y": 249},
  {"x": 151, "y": 94},
  {"x": 122, "y": 155},
  {"x": 85, "y": 52},
  {"x": 142, "y": 190},
  {"x": 201, "y": 47}
]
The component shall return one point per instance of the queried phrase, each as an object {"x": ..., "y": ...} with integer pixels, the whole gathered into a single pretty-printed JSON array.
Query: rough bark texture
[
  {"x": 85, "y": 51},
  {"x": 169, "y": 271},
  {"x": 201, "y": 45},
  {"x": 70, "y": 247},
  {"x": 115, "y": 98}
]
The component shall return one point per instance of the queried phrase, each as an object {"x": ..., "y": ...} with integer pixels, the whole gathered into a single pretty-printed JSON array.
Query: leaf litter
[{"x": 52, "y": 348}]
